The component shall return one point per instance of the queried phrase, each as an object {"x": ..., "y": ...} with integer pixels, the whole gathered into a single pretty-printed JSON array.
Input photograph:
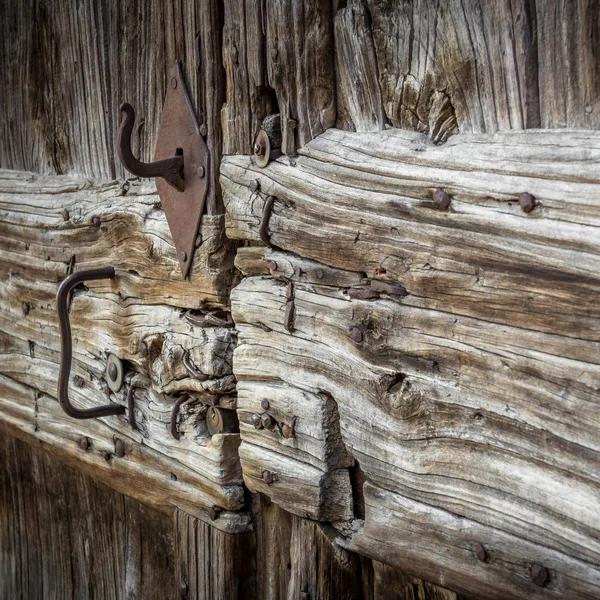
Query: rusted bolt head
[
  {"x": 203, "y": 130},
  {"x": 143, "y": 349},
  {"x": 291, "y": 124},
  {"x": 265, "y": 404},
  {"x": 480, "y": 552},
  {"x": 96, "y": 221},
  {"x": 268, "y": 421},
  {"x": 357, "y": 334},
  {"x": 539, "y": 575},
  {"x": 441, "y": 199},
  {"x": 84, "y": 442},
  {"x": 65, "y": 214},
  {"x": 174, "y": 83},
  {"x": 526, "y": 202},
  {"x": 260, "y": 148},
  {"x": 257, "y": 421},
  {"x": 119, "y": 448},
  {"x": 255, "y": 185},
  {"x": 304, "y": 596},
  {"x": 319, "y": 273},
  {"x": 26, "y": 308},
  {"x": 267, "y": 477},
  {"x": 213, "y": 512},
  {"x": 183, "y": 256},
  {"x": 200, "y": 171},
  {"x": 112, "y": 371}
]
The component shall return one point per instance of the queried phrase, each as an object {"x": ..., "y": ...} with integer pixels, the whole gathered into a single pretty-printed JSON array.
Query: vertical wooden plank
[{"x": 211, "y": 564}]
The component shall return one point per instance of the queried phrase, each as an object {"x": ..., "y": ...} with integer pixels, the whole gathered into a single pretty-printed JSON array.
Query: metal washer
[{"x": 116, "y": 383}]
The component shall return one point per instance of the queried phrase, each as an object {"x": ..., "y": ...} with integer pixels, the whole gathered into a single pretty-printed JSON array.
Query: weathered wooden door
[{"x": 381, "y": 379}]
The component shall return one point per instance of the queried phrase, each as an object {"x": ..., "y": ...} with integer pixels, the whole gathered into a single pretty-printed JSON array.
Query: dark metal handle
[
  {"x": 66, "y": 346},
  {"x": 170, "y": 169}
]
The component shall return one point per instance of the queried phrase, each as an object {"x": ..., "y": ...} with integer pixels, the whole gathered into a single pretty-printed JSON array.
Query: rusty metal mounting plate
[{"x": 180, "y": 133}]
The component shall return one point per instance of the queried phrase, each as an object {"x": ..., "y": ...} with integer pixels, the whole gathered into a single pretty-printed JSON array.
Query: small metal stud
[
  {"x": 268, "y": 421},
  {"x": 257, "y": 421},
  {"x": 65, "y": 214},
  {"x": 480, "y": 552},
  {"x": 96, "y": 221},
  {"x": 526, "y": 202},
  {"x": 441, "y": 199},
  {"x": 357, "y": 334},
  {"x": 174, "y": 83},
  {"x": 265, "y": 404},
  {"x": 213, "y": 512},
  {"x": 112, "y": 371}
]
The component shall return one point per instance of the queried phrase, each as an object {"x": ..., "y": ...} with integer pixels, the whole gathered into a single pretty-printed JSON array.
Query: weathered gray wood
[
  {"x": 66, "y": 536},
  {"x": 211, "y": 564},
  {"x": 479, "y": 258},
  {"x": 469, "y": 422}
]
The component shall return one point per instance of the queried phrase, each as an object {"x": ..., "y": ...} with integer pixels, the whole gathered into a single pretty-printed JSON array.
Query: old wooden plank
[
  {"x": 211, "y": 564},
  {"x": 478, "y": 422},
  {"x": 480, "y": 257},
  {"x": 65, "y": 535},
  {"x": 131, "y": 234}
]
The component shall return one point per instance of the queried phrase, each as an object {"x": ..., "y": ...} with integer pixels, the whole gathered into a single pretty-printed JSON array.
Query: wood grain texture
[
  {"x": 477, "y": 259},
  {"x": 447, "y": 420},
  {"x": 67, "y": 70},
  {"x": 211, "y": 564},
  {"x": 66, "y": 536}
]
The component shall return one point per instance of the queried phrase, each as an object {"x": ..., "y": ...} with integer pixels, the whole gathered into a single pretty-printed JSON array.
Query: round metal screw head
[
  {"x": 357, "y": 334},
  {"x": 183, "y": 256},
  {"x": 287, "y": 431},
  {"x": 26, "y": 308},
  {"x": 259, "y": 148},
  {"x": 267, "y": 477},
  {"x": 96, "y": 221},
  {"x": 84, "y": 442},
  {"x": 526, "y": 202},
  {"x": 265, "y": 404},
  {"x": 480, "y": 552},
  {"x": 441, "y": 199},
  {"x": 174, "y": 83},
  {"x": 200, "y": 171},
  {"x": 268, "y": 421},
  {"x": 539, "y": 575},
  {"x": 119, "y": 448},
  {"x": 272, "y": 265},
  {"x": 112, "y": 371}
]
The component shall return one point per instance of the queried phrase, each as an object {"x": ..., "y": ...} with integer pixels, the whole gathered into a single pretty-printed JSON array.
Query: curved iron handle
[
  {"x": 66, "y": 347},
  {"x": 170, "y": 169}
]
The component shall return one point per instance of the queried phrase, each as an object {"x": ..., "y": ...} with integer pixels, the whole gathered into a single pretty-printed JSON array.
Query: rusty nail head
[
  {"x": 480, "y": 552},
  {"x": 183, "y": 256},
  {"x": 203, "y": 130},
  {"x": 213, "y": 512},
  {"x": 265, "y": 404},
  {"x": 259, "y": 148},
  {"x": 96, "y": 221},
  {"x": 26, "y": 308},
  {"x": 174, "y": 82},
  {"x": 200, "y": 171},
  {"x": 143, "y": 349},
  {"x": 84, "y": 442},
  {"x": 257, "y": 421},
  {"x": 267, "y": 477},
  {"x": 441, "y": 199},
  {"x": 357, "y": 334},
  {"x": 539, "y": 575},
  {"x": 65, "y": 214},
  {"x": 319, "y": 273},
  {"x": 287, "y": 431},
  {"x": 255, "y": 185},
  {"x": 526, "y": 201},
  {"x": 112, "y": 371},
  {"x": 268, "y": 421},
  {"x": 119, "y": 448},
  {"x": 291, "y": 124}
]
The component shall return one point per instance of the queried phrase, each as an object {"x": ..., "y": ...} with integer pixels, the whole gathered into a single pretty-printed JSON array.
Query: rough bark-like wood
[
  {"x": 66, "y": 536},
  {"x": 477, "y": 259},
  {"x": 211, "y": 564},
  {"x": 468, "y": 431}
]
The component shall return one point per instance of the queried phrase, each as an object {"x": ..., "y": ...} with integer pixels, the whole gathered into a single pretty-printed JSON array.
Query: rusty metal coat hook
[
  {"x": 66, "y": 345},
  {"x": 170, "y": 169}
]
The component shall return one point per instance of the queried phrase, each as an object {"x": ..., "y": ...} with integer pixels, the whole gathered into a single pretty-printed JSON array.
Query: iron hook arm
[
  {"x": 170, "y": 169},
  {"x": 66, "y": 346}
]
